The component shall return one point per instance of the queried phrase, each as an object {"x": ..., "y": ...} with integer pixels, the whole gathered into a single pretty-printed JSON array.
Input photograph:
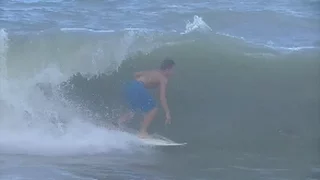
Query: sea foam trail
[{"x": 78, "y": 138}]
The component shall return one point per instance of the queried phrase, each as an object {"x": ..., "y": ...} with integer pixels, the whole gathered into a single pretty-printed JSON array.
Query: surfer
[{"x": 139, "y": 99}]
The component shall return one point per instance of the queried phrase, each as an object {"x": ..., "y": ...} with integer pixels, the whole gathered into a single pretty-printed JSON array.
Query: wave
[{"x": 59, "y": 89}]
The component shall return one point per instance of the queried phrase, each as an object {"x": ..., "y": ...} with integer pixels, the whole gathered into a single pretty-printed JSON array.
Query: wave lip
[{"x": 197, "y": 25}]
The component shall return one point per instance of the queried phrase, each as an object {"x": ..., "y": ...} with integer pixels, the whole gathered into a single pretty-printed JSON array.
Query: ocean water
[{"x": 245, "y": 94}]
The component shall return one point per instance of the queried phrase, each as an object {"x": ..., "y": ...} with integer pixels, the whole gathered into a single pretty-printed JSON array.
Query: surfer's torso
[{"x": 151, "y": 79}]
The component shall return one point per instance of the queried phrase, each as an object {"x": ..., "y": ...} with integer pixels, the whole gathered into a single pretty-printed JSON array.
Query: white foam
[
  {"x": 3, "y": 52},
  {"x": 290, "y": 49},
  {"x": 197, "y": 25},
  {"x": 269, "y": 44},
  {"x": 78, "y": 138},
  {"x": 139, "y": 29},
  {"x": 87, "y": 29},
  {"x": 229, "y": 35},
  {"x": 33, "y": 122}
]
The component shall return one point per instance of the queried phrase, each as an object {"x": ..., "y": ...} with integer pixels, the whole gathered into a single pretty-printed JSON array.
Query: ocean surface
[{"x": 245, "y": 94}]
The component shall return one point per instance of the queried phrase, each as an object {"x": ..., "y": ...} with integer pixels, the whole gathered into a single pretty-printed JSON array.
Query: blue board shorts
[{"x": 138, "y": 97}]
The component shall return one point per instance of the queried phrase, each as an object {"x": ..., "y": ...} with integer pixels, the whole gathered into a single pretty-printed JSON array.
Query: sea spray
[{"x": 36, "y": 118}]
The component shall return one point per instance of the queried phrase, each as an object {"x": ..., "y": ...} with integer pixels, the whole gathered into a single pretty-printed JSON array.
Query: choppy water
[{"x": 245, "y": 94}]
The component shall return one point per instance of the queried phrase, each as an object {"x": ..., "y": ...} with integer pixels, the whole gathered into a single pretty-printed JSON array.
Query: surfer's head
[{"x": 167, "y": 66}]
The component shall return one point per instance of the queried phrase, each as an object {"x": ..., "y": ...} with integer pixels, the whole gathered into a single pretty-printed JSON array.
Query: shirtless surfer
[{"x": 139, "y": 99}]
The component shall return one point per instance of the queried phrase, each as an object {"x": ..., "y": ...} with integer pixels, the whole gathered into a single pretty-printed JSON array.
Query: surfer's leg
[
  {"x": 140, "y": 99},
  {"x": 148, "y": 117},
  {"x": 149, "y": 109}
]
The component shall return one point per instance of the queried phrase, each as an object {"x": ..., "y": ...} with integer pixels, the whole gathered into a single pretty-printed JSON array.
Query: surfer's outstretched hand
[{"x": 168, "y": 119}]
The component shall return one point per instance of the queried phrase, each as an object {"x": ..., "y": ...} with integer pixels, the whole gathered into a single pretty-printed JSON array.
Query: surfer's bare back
[{"x": 139, "y": 99}]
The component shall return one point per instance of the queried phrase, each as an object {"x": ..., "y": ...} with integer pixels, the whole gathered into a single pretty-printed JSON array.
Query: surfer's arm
[{"x": 163, "y": 98}]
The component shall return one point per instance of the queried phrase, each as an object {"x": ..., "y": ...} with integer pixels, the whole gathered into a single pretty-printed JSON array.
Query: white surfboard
[
  {"x": 153, "y": 140},
  {"x": 157, "y": 140}
]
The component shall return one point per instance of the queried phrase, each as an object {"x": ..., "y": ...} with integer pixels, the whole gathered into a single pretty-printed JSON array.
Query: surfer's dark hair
[{"x": 167, "y": 64}]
